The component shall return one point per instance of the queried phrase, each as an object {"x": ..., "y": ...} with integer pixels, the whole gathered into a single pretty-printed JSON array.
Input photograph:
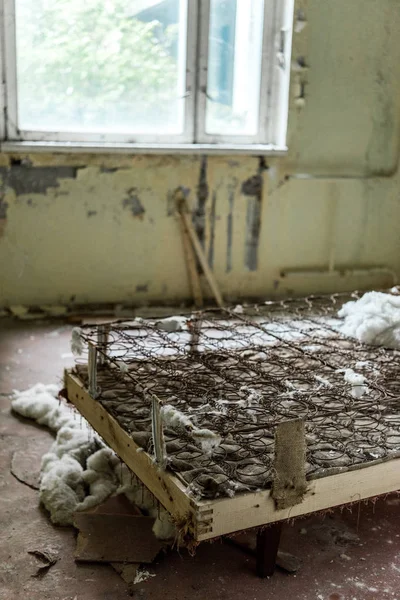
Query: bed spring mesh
[{"x": 239, "y": 374}]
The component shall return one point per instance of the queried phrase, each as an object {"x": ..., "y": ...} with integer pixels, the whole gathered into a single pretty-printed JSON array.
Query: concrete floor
[{"x": 346, "y": 556}]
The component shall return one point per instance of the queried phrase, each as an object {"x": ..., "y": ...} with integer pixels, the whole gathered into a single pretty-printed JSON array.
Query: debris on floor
[
  {"x": 329, "y": 532},
  {"x": 117, "y": 532},
  {"x": 247, "y": 542},
  {"x": 79, "y": 471},
  {"x": 83, "y": 483},
  {"x": 128, "y": 572},
  {"x": 143, "y": 575},
  {"x": 48, "y": 557},
  {"x": 115, "y": 538}
]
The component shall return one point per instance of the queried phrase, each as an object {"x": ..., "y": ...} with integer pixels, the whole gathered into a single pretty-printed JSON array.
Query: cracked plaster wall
[{"x": 77, "y": 228}]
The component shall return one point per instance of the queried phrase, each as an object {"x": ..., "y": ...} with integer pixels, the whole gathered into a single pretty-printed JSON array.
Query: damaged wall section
[
  {"x": 101, "y": 227},
  {"x": 253, "y": 189},
  {"x": 34, "y": 180}
]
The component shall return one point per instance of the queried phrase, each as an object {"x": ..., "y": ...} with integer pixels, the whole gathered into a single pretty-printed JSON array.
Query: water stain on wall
[
  {"x": 253, "y": 189},
  {"x": 132, "y": 203}
]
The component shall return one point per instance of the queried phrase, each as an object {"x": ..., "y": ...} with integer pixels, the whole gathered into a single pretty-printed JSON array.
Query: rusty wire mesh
[{"x": 239, "y": 375}]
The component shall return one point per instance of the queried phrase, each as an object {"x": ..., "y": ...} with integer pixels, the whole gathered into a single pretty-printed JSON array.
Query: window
[{"x": 184, "y": 72}]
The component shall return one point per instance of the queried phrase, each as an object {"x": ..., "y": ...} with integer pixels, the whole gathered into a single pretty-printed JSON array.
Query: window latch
[
  {"x": 207, "y": 95},
  {"x": 281, "y": 54}
]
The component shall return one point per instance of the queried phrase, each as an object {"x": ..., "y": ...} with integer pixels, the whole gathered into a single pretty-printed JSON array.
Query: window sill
[{"x": 118, "y": 148}]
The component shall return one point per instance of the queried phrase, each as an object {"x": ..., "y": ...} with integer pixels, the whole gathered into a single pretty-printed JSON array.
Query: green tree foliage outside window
[{"x": 90, "y": 64}]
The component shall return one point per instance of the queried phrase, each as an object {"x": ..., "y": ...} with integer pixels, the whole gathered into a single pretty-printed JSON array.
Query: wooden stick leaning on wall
[
  {"x": 191, "y": 233},
  {"x": 190, "y": 262}
]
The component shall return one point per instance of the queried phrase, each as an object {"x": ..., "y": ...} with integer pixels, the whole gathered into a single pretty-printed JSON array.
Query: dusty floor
[{"x": 346, "y": 556}]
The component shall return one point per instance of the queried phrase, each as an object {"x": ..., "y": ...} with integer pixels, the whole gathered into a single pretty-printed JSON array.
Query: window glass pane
[
  {"x": 101, "y": 65},
  {"x": 234, "y": 66}
]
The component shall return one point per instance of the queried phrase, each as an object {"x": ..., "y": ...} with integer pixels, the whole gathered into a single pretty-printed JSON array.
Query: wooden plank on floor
[{"x": 115, "y": 538}]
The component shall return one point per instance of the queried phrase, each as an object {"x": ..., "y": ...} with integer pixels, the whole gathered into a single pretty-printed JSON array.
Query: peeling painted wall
[{"x": 93, "y": 228}]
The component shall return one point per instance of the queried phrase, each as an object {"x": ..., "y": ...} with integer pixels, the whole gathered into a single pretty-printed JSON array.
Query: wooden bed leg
[{"x": 267, "y": 549}]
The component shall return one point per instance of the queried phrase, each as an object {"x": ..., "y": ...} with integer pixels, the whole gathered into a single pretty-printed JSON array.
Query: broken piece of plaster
[{"x": 300, "y": 25}]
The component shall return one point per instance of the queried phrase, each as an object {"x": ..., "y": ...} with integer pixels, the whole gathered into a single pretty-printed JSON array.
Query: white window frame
[{"x": 274, "y": 95}]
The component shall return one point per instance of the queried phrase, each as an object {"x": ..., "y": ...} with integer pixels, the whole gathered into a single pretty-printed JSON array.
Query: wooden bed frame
[{"x": 207, "y": 519}]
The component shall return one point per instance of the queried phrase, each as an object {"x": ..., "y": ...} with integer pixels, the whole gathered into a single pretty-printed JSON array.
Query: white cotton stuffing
[
  {"x": 222, "y": 407},
  {"x": 163, "y": 527},
  {"x": 364, "y": 364},
  {"x": 61, "y": 487},
  {"x": 201, "y": 410},
  {"x": 238, "y": 309},
  {"x": 39, "y": 403},
  {"x": 313, "y": 348},
  {"x": 172, "y": 324},
  {"x": 205, "y": 438},
  {"x": 79, "y": 471},
  {"x": 251, "y": 397},
  {"x": 75, "y": 442},
  {"x": 77, "y": 341},
  {"x": 290, "y": 385},
  {"x": 100, "y": 476},
  {"x": 254, "y": 397},
  {"x": 324, "y": 381},
  {"x": 373, "y": 319},
  {"x": 174, "y": 418},
  {"x": 357, "y": 382},
  {"x": 142, "y": 575},
  {"x": 369, "y": 366}
]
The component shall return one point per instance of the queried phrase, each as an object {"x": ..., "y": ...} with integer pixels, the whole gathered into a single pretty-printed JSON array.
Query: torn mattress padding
[
  {"x": 357, "y": 382},
  {"x": 79, "y": 471},
  {"x": 206, "y": 439},
  {"x": 373, "y": 319}
]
